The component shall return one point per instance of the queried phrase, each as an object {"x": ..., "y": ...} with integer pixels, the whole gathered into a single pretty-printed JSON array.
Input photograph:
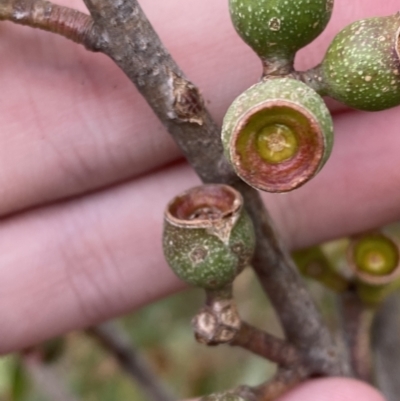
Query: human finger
[
  {"x": 333, "y": 389},
  {"x": 75, "y": 114}
]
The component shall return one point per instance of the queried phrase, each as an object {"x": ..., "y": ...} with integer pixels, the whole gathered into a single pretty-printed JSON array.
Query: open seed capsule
[
  {"x": 362, "y": 67},
  {"x": 276, "y": 29},
  {"x": 374, "y": 258},
  {"x": 277, "y": 134},
  {"x": 208, "y": 237}
]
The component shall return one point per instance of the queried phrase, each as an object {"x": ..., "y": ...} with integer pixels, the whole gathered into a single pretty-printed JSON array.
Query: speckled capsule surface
[
  {"x": 278, "y": 28},
  {"x": 361, "y": 67},
  {"x": 208, "y": 237},
  {"x": 277, "y": 134}
]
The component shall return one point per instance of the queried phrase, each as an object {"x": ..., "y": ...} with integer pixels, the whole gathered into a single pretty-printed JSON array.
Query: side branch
[
  {"x": 266, "y": 345},
  {"x": 46, "y": 379},
  {"x": 357, "y": 321},
  {"x": 283, "y": 381},
  {"x": 71, "y": 24},
  {"x": 386, "y": 347},
  {"x": 117, "y": 343}
]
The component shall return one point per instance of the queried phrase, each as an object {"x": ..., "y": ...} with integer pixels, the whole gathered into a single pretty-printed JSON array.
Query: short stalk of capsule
[
  {"x": 277, "y": 134},
  {"x": 208, "y": 237},
  {"x": 374, "y": 259}
]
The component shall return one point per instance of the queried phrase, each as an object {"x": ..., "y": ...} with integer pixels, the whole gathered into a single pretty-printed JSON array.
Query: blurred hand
[{"x": 333, "y": 390}]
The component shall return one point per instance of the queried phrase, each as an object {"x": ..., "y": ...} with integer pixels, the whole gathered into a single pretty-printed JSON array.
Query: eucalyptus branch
[
  {"x": 118, "y": 344},
  {"x": 283, "y": 381},
  {"x": 218, "y": 322},
  {"x": 45, "y": 15},
  {"x": 137, "y": 50},
  {"x": 386, "y": 347},
  {"x": 266, "y": 345},
  {"x": 357, "y": 321}
]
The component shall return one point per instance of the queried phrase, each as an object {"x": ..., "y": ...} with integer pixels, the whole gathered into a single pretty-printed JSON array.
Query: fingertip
[{"x": 333, "y": 389}]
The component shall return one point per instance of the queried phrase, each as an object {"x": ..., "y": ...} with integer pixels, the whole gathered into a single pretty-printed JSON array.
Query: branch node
[{"x": 187, "y": 102}]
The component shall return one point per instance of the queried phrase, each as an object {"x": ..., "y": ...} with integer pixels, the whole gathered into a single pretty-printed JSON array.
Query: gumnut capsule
[
  {"x": 277, "y": 134},
  {"x": 208, "y": 237},
  {"x": 313, "y": 263},
  {"x": 361, "y": 67},
  {"x": 374, "y": 258},
  {"x": 276, "y": 29}
]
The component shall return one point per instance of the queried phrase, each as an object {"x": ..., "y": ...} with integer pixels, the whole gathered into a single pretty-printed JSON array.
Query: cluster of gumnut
[{"x": 278, "y": 133}]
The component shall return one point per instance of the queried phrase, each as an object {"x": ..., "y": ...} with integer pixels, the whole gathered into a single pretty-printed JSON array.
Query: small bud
[
  {"x": 277, "y": 134},
  {"x": 217, "y": 323},
  {"x": 208, "y": 237},
  {"x": 276, "y": 29},
  {"x": 361, "y": 67}
]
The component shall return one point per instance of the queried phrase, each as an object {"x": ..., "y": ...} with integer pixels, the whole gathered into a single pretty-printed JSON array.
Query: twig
[
  {"x": 357, "y": 321},
  {"x": 266, "y": 345},
  {"x": 138, "y": 51},
  {"x": 118, "y": 344},
  {"x": 386, "y": 346},
  {"x": 283, "y": 381},
  {"x": 45, "y": 379},
  {"x": 45, "y": 15},
  {"x": 218, "y": 322}
]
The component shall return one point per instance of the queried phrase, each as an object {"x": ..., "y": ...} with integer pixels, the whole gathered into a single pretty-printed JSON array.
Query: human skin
[
  {"x": 333, "y": 389},
  {"x": 86, "y": 168}
]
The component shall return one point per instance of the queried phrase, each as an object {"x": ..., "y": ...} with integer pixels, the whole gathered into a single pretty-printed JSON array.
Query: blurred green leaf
[{"x": 21, "y": 385}]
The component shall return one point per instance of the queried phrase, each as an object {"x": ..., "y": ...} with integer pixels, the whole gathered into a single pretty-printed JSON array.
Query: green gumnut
[
  {"x": 277, "y": 134},
  {"x": 276, "y": 29},
  {"x": 361, "y": 67},
  {"x": 208, "y": 237},
  {"x": 374, "y": 258},
  {"x": 313, "y": 263}
]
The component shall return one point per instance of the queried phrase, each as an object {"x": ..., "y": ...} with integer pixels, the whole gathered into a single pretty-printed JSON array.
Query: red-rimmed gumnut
[
  {"x": 374, "y": 258},
  {"x": 361, "y": 67},
  {"x": 277, "y": 134},
  {"x": 277, "y": 29},
  {"x": 208, "y": 237}
]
